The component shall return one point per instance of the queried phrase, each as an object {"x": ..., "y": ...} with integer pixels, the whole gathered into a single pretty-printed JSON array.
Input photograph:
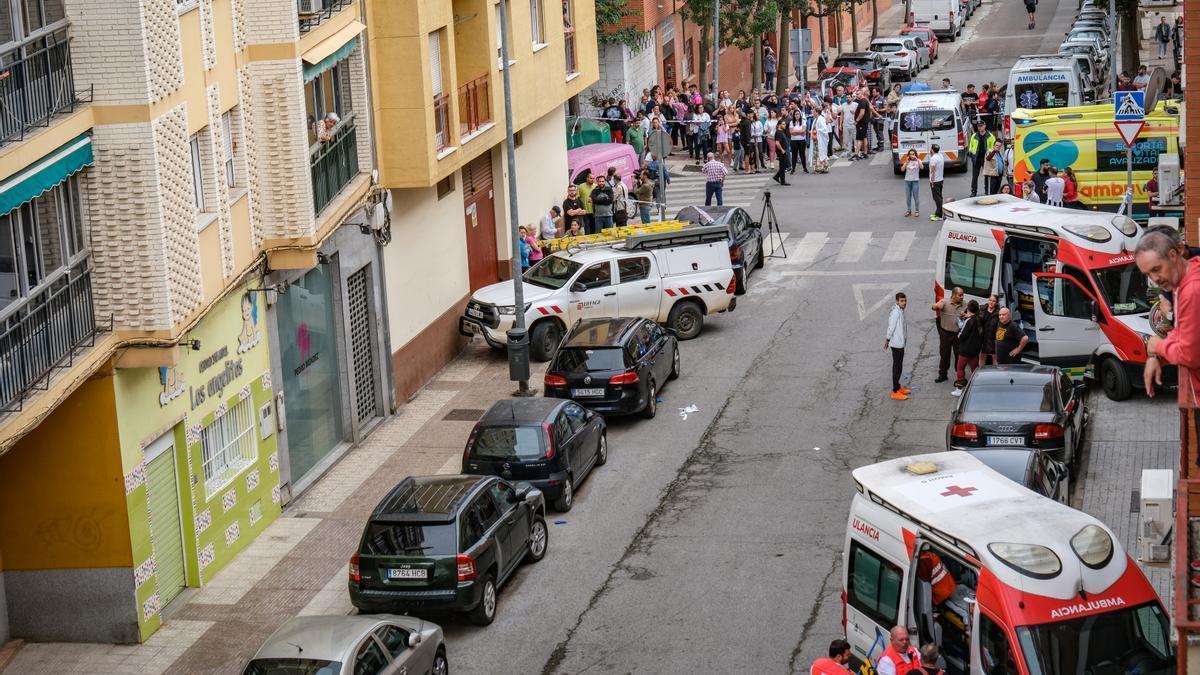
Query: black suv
[
  {"x": 614, "y": 366},
  {"x": 550, "y": 443},
  {"x": 443, "y": 544},
  {"x": 873, "y": 65}
]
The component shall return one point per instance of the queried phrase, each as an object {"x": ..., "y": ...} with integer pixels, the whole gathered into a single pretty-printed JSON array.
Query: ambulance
[
  {"x": 1002, "y": 579},
  {"x": 1068, "y": 276},
  {"x": 1085, "y": 139},
  {"x": 928, "y": 117},
  {"x": 1043, "y": 82}
]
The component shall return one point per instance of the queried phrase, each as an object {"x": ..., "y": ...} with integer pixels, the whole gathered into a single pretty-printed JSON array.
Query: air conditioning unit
[
  {"x": 1157, "y": 515},
  {"x": 309, "y": 6},
  {"x": 1168, "y": 178}
]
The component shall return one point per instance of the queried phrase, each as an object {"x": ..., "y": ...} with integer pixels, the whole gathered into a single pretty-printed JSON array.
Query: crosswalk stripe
[
  {"x": 898, "y": 247},
  {"x": 933, "y": 250},
  {"x": 810, "y": 246},
  {"x": 881, "y": 158},
  {"x": 854, "y": 248}
]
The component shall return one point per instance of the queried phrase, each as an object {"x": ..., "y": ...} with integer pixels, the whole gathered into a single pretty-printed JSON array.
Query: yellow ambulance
[{"x": 1085, "y": 139}]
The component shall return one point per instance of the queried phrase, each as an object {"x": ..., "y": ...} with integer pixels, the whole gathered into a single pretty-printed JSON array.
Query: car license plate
[
  {"x": 913, "y": 144},
  {"x": 407, "y": 574},
  {"x": 477, "y": 313},
  {"x": 472, "y": 327},
  {"x": 1006, "y": 440},
  {"x": 595, "y": 391}
]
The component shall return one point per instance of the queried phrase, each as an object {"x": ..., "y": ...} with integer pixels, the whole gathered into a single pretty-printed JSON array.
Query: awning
[
  {"x": 332, "y": 49},
  {"x": 46, "y": 173}
]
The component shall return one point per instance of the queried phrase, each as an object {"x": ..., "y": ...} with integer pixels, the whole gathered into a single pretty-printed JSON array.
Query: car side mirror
[
  {"x": 522, "y": 491},
  {"x": 1095, "y": 310},
  {"x": 414, "y": 639},
  {"x": 579, "y": 287}
]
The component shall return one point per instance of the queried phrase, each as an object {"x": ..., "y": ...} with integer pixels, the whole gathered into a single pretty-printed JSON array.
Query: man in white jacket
[{"x": 897, "y": 335}]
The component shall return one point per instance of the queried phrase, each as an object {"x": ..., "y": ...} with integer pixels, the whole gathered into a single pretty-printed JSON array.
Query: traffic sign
[
  {"x": 1129, "y": 105},
  {"x": 659, "y": 142},
  {"x": 1129, "y": 129}
]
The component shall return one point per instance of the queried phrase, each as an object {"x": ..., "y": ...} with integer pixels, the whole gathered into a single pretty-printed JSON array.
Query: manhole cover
[{"x": 463, "y": 415}]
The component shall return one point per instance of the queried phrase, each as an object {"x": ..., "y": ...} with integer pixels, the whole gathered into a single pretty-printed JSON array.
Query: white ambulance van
[
  {"x": 1068, "y": 276},
  {"x": 928, "y": 117},
  {"x": 1041, "y": 82},
  {"x": 1002, "y": 579}
]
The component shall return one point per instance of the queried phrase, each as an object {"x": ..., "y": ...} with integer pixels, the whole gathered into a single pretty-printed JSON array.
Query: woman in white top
[
  {"x": 912, "y": 184},
  {"x": 769, "y": 128},
  {"x": 821, "y": 136},
  {"x": 756, "y": 137},
  {"x": 798, "y": 133}
]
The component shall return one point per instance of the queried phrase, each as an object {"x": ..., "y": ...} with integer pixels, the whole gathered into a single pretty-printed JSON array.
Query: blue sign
[{"x": 1129, "y": 106}]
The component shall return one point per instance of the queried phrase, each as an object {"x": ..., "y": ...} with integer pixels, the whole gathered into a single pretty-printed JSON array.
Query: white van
[
  {"x": 1040, "y": 82},
  {"x": 944, "y": 17},
  {"x": 928, "y": 117}
]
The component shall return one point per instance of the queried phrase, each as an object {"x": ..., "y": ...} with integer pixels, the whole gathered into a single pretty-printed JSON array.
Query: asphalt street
[{"x": 713, "y": 543}]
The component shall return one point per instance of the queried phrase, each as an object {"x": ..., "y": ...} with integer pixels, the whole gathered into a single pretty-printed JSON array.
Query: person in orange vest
[
  {"x": 835, "y": 663},
  {"x": 900, "y": 658},
  {"x": 947, "y": 594}
]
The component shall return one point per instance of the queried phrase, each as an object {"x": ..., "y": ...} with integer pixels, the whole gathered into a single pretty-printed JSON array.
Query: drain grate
[
  {"x": 1135, "y": 501},
  {"x": 463, "y": 415}
]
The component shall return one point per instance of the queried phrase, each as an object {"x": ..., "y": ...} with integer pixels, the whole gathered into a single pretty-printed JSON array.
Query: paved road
[{"x": 712, "y": 544}]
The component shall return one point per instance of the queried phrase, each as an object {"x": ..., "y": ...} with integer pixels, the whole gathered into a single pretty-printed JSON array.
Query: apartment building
[
  {"x": 439, "y": 115},
  {"x": 188, "y": 292}
]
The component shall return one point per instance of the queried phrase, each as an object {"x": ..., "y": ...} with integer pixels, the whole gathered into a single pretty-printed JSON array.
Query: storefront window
[{"x": 311, "y": 382}]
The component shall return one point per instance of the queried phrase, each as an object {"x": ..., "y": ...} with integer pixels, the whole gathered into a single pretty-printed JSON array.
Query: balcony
[
  {"x": 334, "y": 163},
  {"x": 36, "y": 82},
  {"x": 474, "y": 106},
  {"x": 313, "y": 12},
  {"x": 44, "y": 332}
]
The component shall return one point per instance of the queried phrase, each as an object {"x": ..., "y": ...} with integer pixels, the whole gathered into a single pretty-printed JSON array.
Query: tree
[
  {"x": 786, "y": 7},
  {"x": 700, "y": 12},
  {"x": 743, "y": 22},
  {"x": 875, "y": 19},
  {"x": 609, "y": 31}
]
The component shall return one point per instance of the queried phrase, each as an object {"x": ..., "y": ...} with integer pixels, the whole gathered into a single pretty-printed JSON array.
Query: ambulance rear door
[
  {"x": 968, "y": 257},
  {"x": 1065, "y": 312},
  {"x": 875, "y": 569}
]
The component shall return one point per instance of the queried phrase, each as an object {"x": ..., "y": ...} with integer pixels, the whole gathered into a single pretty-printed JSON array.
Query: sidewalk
[
  {"x": 298, "y": 565},
  {"x": 1148, "y": 49}
]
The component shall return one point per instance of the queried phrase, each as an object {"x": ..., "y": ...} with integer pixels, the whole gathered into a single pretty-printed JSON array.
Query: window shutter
[{"x": 435, "y": 58}]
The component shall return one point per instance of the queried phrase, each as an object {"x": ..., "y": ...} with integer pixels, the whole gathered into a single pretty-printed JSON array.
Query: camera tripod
[{"x": 767, "y": 217}]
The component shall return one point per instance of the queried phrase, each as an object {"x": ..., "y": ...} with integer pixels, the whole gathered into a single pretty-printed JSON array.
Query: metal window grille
[
  {"x": 228, "y": 446},
  {"x": 361, "y": 350}
]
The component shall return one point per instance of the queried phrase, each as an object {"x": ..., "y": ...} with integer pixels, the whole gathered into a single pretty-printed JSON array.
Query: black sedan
[
  {"x": 550, "y": 443},
  {"x": 614, "y": 366},
  {"x": 1031, "y": 468},
  {"x": 1020, "y": 406},
  {"x": 745, "y": 236}
]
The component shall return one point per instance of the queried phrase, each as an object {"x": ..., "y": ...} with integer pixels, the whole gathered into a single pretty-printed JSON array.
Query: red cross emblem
[{"x": 955, "y": 490}]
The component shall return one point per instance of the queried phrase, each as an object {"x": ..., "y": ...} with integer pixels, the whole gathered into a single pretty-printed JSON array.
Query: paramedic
[
  {"x": 835, "y": 663},
  {"x": 948, "y": 595},
  {"x": 900, "y": 658}
]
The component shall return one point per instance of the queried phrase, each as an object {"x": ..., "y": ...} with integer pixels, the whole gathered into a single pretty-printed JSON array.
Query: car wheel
[
  {"x": 440, "y": 665},
  {"x": 762, "y": 255},
  {"x": 485, "y": 612},
  {"x": 743, "y": 281},
  {"x": 651, "y": 408},
  {"x": 544, "y": 339},
  {"x": 1115, "y": 380},
  {"x": 567, "y": 499},
  {"x": 686, "y": 320},
  {"x": 539, "y": 537},
  {"x": 675, "y": 365},
  {"x": 602, "y": 451}
]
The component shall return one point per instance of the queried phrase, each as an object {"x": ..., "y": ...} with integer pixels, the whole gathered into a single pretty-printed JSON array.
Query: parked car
[
  {"x": 1020, "y": 406},
  {"x": 850, "y": 78},
  {"x": 927, "y": 35},
  {"x": 550, "y": 443},
  {"x": 1031, "y": 468},
  {"x": 614, "y": 366},
  {"x": 745, "y": 237},
  {"x": 445, "y": 544},
  {"x": 901, "y": 53},
  {"x": 348, "y": 645},
  {"x": 873, "y": 66}
]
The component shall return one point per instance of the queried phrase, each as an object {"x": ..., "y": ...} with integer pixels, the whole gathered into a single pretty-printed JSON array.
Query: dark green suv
[{"x": 444, "y": 544}]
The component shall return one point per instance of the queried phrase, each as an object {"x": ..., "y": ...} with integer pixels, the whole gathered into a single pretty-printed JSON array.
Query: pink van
[{"x": 595, "y": 159}]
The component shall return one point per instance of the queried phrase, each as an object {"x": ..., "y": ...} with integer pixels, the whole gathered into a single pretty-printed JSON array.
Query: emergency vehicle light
[
  {"x": 1090, "y": 232},
  {"x": 1031, "y": 560},
  {"x": 1093, "y": 546},
  {"x": 1125, "y": 224}
]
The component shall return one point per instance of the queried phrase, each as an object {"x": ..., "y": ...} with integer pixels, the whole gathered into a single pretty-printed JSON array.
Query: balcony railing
[
  {"x": 36, "y": 82},
  {"x": 44, "y": 333},
  {"x": 313, "y": 12},
  {"x": 569, "y": 41},
  {"x": 474, "y": 106},
  {"x": 334, "y": 163},
  {"x": 441, "y": 121}
]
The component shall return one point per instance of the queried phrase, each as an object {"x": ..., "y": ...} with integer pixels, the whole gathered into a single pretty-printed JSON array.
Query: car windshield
[
  {"x": 415, "y": 539},
  {"x": 507, "y": 443},
  {"x": 927, "y": 120},
  {"x": 590, "y": 360},
  {"x": 554, "y": 271},
  {"x": 886, "y": 47},
  {"x": 865, "y": 64},
  {"x": 1041, "y": 95},
  {"x": 1130, "y": 640},
  {"x": 1125, "y": 289},
  {"x": 1009, "y": 398},
  {"x": 292, "y": 667},
  {"x": 1009, "y": 463}
]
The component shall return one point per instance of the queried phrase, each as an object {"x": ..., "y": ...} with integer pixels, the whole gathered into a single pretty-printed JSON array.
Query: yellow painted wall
[{"x": 62, "y": 494}]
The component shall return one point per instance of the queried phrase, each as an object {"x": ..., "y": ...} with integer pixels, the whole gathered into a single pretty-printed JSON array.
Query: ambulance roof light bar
[
  {"x": 1031, "y": 560},
  {"x": 1093, "y": 545}
]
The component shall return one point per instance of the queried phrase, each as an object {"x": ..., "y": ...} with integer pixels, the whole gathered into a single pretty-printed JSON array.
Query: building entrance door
[{"x": 480, "y": 208}]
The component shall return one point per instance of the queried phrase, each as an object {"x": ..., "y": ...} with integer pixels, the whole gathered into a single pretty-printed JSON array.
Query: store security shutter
[
  {"x": 358, "y": 292},
  {"x": 435, "y": 60},
  {"x": 165, "y": 527}
]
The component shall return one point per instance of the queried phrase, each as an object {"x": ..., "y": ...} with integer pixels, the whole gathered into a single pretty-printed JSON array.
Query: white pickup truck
[{"x": 675, "y": 278}]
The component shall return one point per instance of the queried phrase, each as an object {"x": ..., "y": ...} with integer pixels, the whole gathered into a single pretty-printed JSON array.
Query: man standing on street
[
  {"x": 835, "y": 663},
  {"x": 602, "y": 205},
  {"x": 900, "y": 658},
  {"x": 1055, "y": 188},
  {"x": 1010, "y": 338},
  {"x": 897, "y": 336},
  {"x": 781, "y": 140},
  {"x": 573, "y": 208},
  {"x": 1162, "y": 35},
  {"x": 1159, "y": 258},
  {"x": 1142, "y": 79},
  {"x": 585, "y": 195},
  {"x": 714, "y": 180},
  {"x": 551, "y": 225},
  {"x": 937, "y": 174},
  {"x": 948, "y": 310},
  {"x": 1040, "y": 178},
  {"x": 978, "y": 148},
  {"x": 769, "y": 63}
]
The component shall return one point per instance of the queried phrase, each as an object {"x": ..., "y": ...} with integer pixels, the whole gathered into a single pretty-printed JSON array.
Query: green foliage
[{"x": 608, "y": 25}]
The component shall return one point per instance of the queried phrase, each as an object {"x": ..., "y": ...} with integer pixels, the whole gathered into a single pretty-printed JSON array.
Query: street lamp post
[
  {"x": 717, "y": 52},
  {"x": 518, "y": 335}
]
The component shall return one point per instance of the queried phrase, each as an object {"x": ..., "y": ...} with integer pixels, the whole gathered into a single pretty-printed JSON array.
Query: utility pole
[
  {"x": 1112, "y": 47},
  {"x": 518, "y": 335},
  {"x": 717, "y": 52}
]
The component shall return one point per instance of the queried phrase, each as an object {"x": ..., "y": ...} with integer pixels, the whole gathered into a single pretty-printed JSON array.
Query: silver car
[{"x": 342, "y": 645}]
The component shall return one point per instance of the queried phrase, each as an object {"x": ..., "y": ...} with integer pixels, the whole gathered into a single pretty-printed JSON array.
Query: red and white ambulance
[
  {"x": 1068, "y": 276},
  {"x": 1002, "y": 579}
]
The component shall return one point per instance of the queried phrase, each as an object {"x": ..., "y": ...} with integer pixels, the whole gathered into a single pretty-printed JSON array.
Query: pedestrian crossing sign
[{"x": 1129, "y": 106}]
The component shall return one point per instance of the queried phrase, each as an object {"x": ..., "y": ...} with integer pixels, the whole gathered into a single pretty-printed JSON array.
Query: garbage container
[{"x": 518, "y": 354}]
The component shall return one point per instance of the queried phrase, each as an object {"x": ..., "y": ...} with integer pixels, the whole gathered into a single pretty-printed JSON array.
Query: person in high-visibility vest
[
  {"x": 835, "y": 663},
  {"x": 948, "y": 595},
  {"x": 900, "y": 658}
]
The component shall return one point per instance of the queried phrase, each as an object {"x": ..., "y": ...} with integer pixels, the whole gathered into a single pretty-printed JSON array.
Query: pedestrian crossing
[
  {"x": 860, "y": 248},
  {"x": 744, "y": 190}
]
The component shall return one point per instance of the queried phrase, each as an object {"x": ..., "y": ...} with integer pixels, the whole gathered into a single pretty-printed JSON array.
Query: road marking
[
  {"x": 849, "y": 273},
  {"x": 898, "y": 247},
  {"x": 933, "y": 250},
  {"x": 881, "y": 159},
  {"x": 774, "y": 241},
  {"x": 891, "y": 287},
  {"x": 854, "y": 248},
  {"x": 811, "y": 245}
]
